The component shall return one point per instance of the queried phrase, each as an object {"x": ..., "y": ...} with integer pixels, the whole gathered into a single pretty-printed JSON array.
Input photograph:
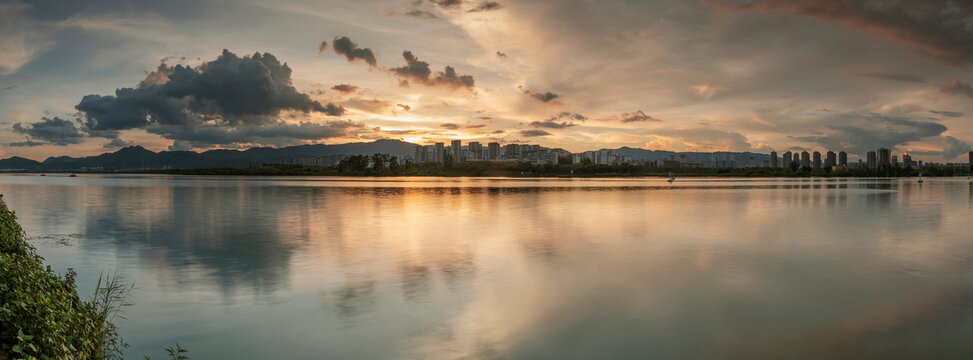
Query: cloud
[
  {"x": 954, "y": 148},
  {"x": 404, "y": 107},
  {"x": 21, "y": 40},
  {"x": 229, "y": 90},
  {"x": 26, "y": 143},
  {"x": 892, "y": 76},
  {"x": 486, "y": 6},
  {"x": 452, "y": 126},
  {"x": 947, "y": 113},
  {"x": 373, "y": 106},
  {"x": 344, "y": 46},
  {"x": 448, "y": 4},
  {"x": 568, "y": 115},
  {"x": 277, "y": 133},
  {"x": 552, "y": 122},
  {"x": 54, "y": 130},
  {"x": 636, "y": 116},
  {"x": 501, "y": 54},
  {"x": 418, "y": 70},
  {"x": 422, "y": 14},
  {"x": 322, "y": 47},
  {"x": 957, "y": 87},
  {"x": 116, "y": 143},
  {"x": 939, "y": 29},
  {"x": 344, "y": 88},
  {"x": 180, "y": 145},
  {"x": 701, "y": 139},
  {"x": 229, "y": 96},
  {"x": 860, "y": 133},
  {"x": 545, "y": 97},
  {"x": 705, "y": 92},
  {"x": 534, "y": 133}
]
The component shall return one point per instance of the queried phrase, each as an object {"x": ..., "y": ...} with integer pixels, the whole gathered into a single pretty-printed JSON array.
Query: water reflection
[{"x": 515, "y": 268}]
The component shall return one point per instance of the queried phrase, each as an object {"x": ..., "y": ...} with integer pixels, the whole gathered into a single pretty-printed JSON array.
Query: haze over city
[{"x": 85, "y": 78}]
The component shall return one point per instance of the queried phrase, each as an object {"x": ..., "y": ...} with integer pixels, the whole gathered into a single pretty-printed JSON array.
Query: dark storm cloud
[
  {"x": 954, "y": 148},
  {"x": 938, "y": 28},
  {"x": 545, "y": 97},
  {"x": 344, "y": 46},
  {"x": 957, "y": 87},
  {"x": 418, "y": 70},
  {"x": 345, "y": 88},
  {"x": 893, "y": 76},
  {"x": 636, "y": 116},
  {"x": 860, "y": 133},
  {"x": 229, "y": 90},
  {"x": 947, "y": 113},
  {"x": 229, "y": 96},
  {"x": 322, "y": 47},
  {"x": 534, "y": 133},
  {"x": 54, "y": 130},
  {"x": 278, "y": 133},
  {"x": 485, "y": 6}
]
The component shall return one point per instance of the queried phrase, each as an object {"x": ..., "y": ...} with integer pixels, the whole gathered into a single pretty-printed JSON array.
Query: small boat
[
  {"x": 672, "y": 177},
  {"x": 920, "y": 178},
  {"x": 72, "y": 175}
]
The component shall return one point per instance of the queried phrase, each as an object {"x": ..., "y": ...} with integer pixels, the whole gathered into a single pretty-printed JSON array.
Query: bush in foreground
[{"x": 41, "y": 315}]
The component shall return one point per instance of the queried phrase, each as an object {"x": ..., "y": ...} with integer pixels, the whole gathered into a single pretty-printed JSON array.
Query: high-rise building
[
  {"x": 493, "y": 151},
  {"x": 773, "y": 159},
  {"x": 872, "y": 160},
  {"x": 842, "y": 158},
  {"x": 831, "y": 160},
  {"x": 787, "y": 159},
  {"x": 884, "y": 157},
  {"x": 420, "y": 155},
  {"x": 817, "y": 160},
  {"x": 895, "y": 161},
  {"x": 457, "y": 147},
  {"x": 805, "y": 159},
  {"x": 971, "y": 160},
  {"x": 751, "y": 162},
  {"x": 907, "y": 160},
  {"x": 439, "y": 152},
  {"x": 475, "y": 150}
]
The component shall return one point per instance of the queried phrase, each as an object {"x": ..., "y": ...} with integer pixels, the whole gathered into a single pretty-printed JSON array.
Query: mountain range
[{"x": 137, "y": 157}]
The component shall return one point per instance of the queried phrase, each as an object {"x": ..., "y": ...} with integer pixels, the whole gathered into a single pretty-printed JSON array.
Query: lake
[{"x": 450, "y": 268}]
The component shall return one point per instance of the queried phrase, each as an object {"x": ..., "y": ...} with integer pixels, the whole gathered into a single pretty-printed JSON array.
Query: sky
[{"x": 83, "y": 78}]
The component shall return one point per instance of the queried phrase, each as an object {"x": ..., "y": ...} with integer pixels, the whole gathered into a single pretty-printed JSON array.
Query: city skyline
[{"x": 767, "y": 76}]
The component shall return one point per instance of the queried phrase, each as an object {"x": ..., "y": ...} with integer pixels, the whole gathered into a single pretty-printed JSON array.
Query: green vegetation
[
  {"x": 41, "y": 315},
  {"x": 385, "y": 165}
]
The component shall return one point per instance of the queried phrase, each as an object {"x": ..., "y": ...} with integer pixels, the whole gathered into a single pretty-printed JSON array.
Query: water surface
[{"x": 447, "y": 268}]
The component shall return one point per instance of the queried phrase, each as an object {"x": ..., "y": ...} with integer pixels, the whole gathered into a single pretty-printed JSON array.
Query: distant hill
[
  {"x": 137, "y": 157},
  {"x": 739, "y": 157},
  {"x": 17, "y": 162}
]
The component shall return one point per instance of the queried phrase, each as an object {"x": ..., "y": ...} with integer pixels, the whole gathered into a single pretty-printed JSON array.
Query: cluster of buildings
[
  {"x": 475, "y": 151},
  {"x": 873, "y": 160}
]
